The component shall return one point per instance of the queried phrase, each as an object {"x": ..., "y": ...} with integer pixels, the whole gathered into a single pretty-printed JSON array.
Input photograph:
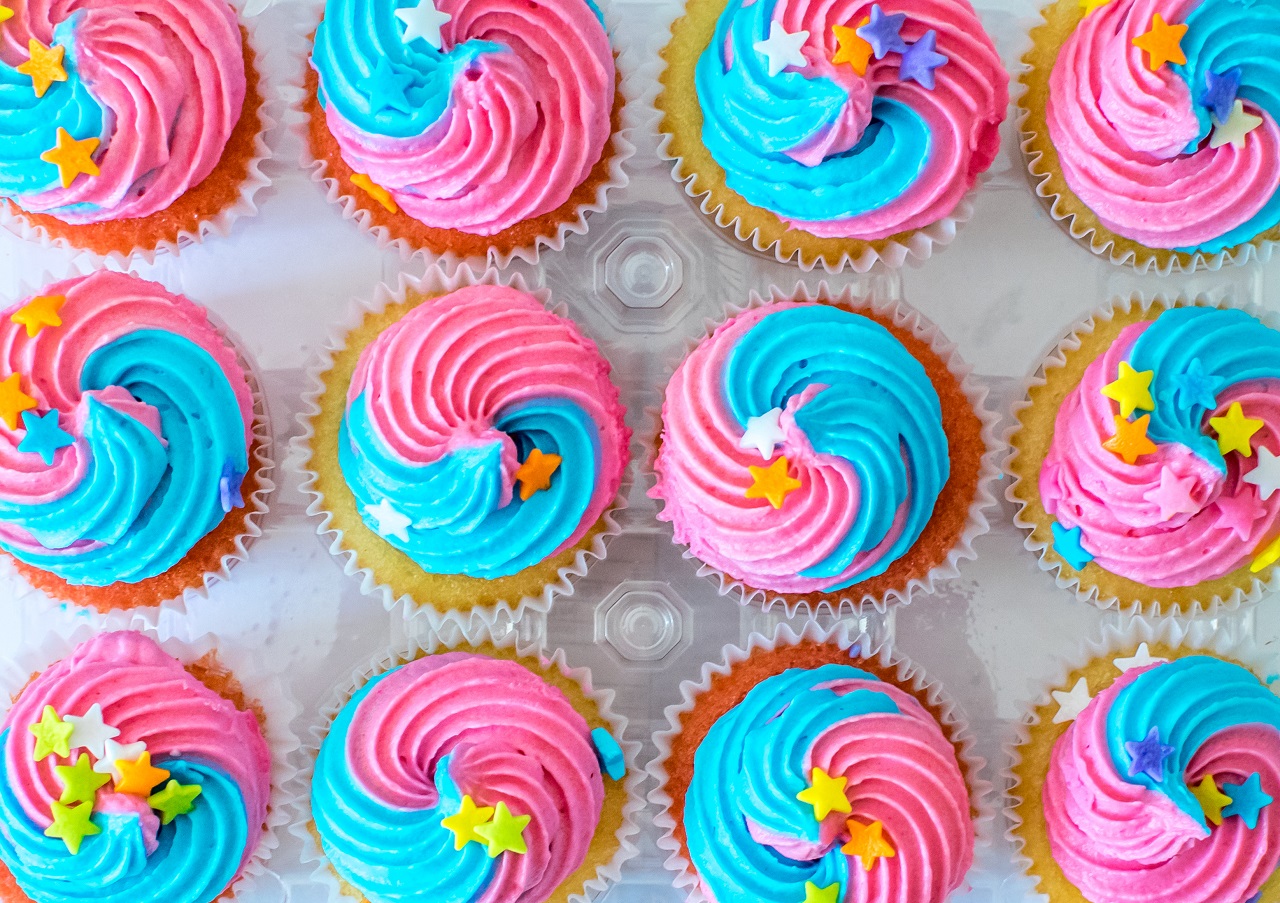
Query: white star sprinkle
[
  {"x": 1237, "y": 127},
  {"x": 88, "y": 731},
  {"x": 764, "y": 433},
  {"x": 114, "y": 752},
  {"x": 783, "y": 48},
  {"x": 1140, "y": 659},
  {"x": 1071, "y": 704},
  {"x": 1266, "y": 474},
  {"x": 389, "y": 521},
  {"x": 423, "y": 21}
]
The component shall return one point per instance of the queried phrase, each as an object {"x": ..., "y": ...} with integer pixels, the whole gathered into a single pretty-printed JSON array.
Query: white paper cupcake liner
[
  {"x": 257, "y": 503},
  {"x": 219, "y": 225},
  {"x": 851, "y": 600},
  {"x": 1055, "y": 357},
  {"x": 860, "y": 647},
  {"x": 65, "y": 632},
  {"x": 299, "y": 795},
  {"x": 434, "y": 282},
  {"x": 620, "y": 150}
]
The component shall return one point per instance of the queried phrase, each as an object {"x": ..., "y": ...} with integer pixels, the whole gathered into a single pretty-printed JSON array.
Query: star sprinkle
[
  {"x": 71, "y": 825},
  {"x": 53, "y": 735},
  {"x": 73, "y": 158},
  {"x": 764, "y": 433},
  {"x": 393, "y": 85},
  {"x": 505, "y": 834},
  {"x": 825, "y": 794},
  {"x": 1173, "y": 495},
  {"x": 80, "y": 782},
  {"x": 773, "y": 482},
  {"x": 1140, "y": 659},
  {"x": 1130, "y": 441},
  {"x": 851, "y": 48},
  {"x": 1066, "y": 542},
  {"x": 13, "y": 401},
  {"x": 883, "y": 32},
  {"x": 423, "y": 21},
  {"x": 867, "y": 843},
  {"x": 1235, "y": 430},
  {"x": 1220, "y": 92},
  {"x": 783, "y": 48},
  {"x": 1194, "y": 387},
  {"x": 535, "y": 473},
  {"x": 38, "y": 313},
  {"x": 815, "y": 894},
  {"x": 1238, "y": 513},
  {"x": 1072, "y": 702},
  {"x": 464, "y": 822},
  {"x": 1265, "y": 474},
  {"x": 5, "y": 13},
  {"x": 609, "y": 753},
  {"x": 1236, "y": 129},
  {"x": 921, "y": 59},
  {"x": 388, "y": 522},
  {"x": 375, "y": 191},
  {"x": 1210, "y": 798},
  {"x": 89, "y": 731},
  {"x": 44, "y": 65},
  {"x": 1131, "y": 390},
  {"x": 1148, "y": 756},
  {"x": 114, "y": 753},
  {"x": 229, "y": 483},
  {"x": 1247, "y": 800},
  {"x": 1163, "y": 43},
  {"x": 174, "y": 800},
  {"x": 1267, "y": 557},
  {"x": 138, "y": 777},
  {"x": 1091, "y": 6},
  {"x": 44, "y": 436}
]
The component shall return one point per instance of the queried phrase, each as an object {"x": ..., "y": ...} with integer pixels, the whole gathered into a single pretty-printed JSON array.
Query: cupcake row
[
  {"x": 464, "y": 448},
  {"x": 801, "y": 768},
  {"x": 841, "y": 132}
]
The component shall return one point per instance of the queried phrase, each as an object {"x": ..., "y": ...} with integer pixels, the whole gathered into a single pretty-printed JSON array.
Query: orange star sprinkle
[
  {"x": 1163, "y": 43},
  {"x": 38, "y": 313},
  {"x": 867, "y": 843},
  {"x": 13, "y": 401},
  {"x": 73, "y": 158},
  {"x": 535, "y": 473},
  {"x": 44, "y": 66},
  {"x": 375, "y": 191},
  {"x": 1130, "y": 441},
  {"x": 772, "y": 482},
  {"x": 139, "y": 777},
  {"x": 852, "y": 47}
]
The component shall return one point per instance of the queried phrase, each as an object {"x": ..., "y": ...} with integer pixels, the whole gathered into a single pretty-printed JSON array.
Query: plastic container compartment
[{"x": 648, "y": 276}]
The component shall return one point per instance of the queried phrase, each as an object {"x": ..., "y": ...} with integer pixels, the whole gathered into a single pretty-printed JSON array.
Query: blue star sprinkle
[
  {"x": 1221, "y": 91},
  {"x": 920, "y": 59},
  {"x": 609, "y": 753},
  {"x": 1148, "y": 756},
  {"x": 1066, "y": 542},
  {"x": 883, "y": 32},
  {"x": 395, "y": 84},
  {"x": 44, "y": 436},
  {"x": 229, "y": 487},
  {"x": 1194, "y": 387},
  {"x": 1247, "y": 800}
]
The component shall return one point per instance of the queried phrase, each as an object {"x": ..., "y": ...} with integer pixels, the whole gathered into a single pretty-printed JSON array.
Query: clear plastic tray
[{"x": 646, "y": 279}]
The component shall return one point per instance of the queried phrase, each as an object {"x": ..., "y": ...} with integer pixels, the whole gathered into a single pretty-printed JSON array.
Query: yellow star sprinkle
[
  {"x": 13, "y": 401},
  {"x": 174, "y": 800},
  {"x": 139, "y": 776},
  {"x": 1212, "y": 800},
  {"x": 852, "y": 48},
  {"x": 535, "y": 473},
  {"x": 80, "y": 782},
  {"x": 1163, "y": 43},
  {"x": 1090, "y": 6},
  {"x": 71, "y": 825},
  {"x": 815, "y": 894},
  {"x": 5, "y": 13},
  {"x": 1132, "y": 390},
  {"x": 826, "y": 795},
  {"x": 53, "y": 735},
  {"x": 38, "y": 313},
  {"x": 1266, "y": 556},
  {"x": 375, "y": 191},
  {"x": 73, "y": 158},
  {"x": 1130, "y": 441},
  {"x": 464, "y": 823},
  {"x": 867, "y": 843},
  {"x": 772, "y": 482},
  {"x": 505, "y": 833},
  {"x": 44, "y": 66},
  {"x": 1235, "y": 430}
]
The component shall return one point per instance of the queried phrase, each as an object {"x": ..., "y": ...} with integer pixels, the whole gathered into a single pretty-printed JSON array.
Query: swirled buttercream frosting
[
  {"x": 475, "y": 115},
  {"x": 1162, "y": 466},
  {"x": 482, "y": 434},
  {"x": 802, "y": 450},
  {"x": 1161, "y": 788},
  {"x": 112, "y": 111},
  {"x": 1166, "y": 118},
  {"x": 850, "y": 119},
  {"x": 826, "y": 778},
  {"x": 127, "y": 780},
  {"x": 458, "y": 778},
  {"x": 125, "y": 428}
]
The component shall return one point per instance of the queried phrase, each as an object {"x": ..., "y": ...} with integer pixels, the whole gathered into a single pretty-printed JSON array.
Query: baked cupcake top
[
  {"x": 112, "y": 111},
  {"x": 482, "y": 434},
  {"x": 828, "y": 783},
  {"x": 127, "y": 780},
  {"x": 1161, "y": 787},
  {"x": 474, "y": 115},
  {"x": 1163, "y": 462},
  {"x": 802, "y": 450},
  {"x": 125, "y": 428},
  {"x": 1166, "y": 119},
  {"x": 460, "y": 777},
  {"x": 850, "y": 119}
]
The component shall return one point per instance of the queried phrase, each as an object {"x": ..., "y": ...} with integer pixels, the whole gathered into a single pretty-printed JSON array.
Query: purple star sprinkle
[
  {"x": 882, "y": 32},
  {"x": 1148, "y": 756},
  {"x": 229, "y": 487},
  {"x": 920, "y": 59},
  {"x": 1220, "y": 92}
]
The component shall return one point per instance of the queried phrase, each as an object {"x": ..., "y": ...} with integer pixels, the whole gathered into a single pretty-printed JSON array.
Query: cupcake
[
  {"x": 133, "y": 454},
  {"x": 1152, "y": 129},
  {"x": 127, "y": 127},
  {"x": 836, "y": 132},
  {"x": 470, "y": 775},
  {"x": 811, "y": 771},
  {"x": 466, "y": 447},
  {"x": 1149, "y": 774},
  {"x": 1145, "y": 462},
  {"x": 129, "y": 776},
  {"x": 823, "y": 452},
  {"x": 471, "y": 128}
]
